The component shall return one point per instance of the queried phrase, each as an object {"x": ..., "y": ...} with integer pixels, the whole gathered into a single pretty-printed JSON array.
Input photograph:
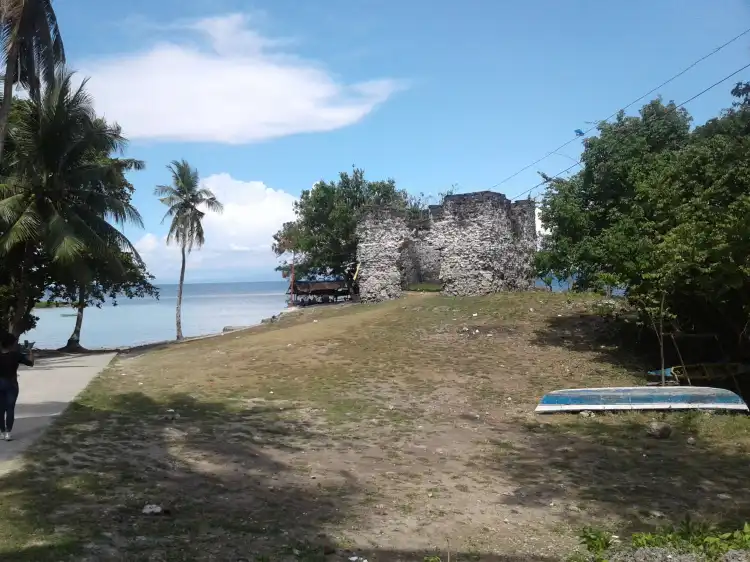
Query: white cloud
[
  {"x": 232, "y": 85},
  {"x": 238, "y": 241}
]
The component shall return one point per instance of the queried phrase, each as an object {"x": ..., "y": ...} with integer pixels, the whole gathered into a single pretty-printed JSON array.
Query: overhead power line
[
  {"x": 696, "y": 96},
  {"x": 694, "y": 64}
]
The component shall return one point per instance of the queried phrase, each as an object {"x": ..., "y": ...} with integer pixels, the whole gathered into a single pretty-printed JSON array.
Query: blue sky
[{"x": 265, "y": 98}]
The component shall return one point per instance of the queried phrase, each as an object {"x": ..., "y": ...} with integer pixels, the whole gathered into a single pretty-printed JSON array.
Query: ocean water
[{"x": 206, "y": 309}]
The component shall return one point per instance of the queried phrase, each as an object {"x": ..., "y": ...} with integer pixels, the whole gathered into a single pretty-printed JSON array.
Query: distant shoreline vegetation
[{"x": 52, "y": 304}]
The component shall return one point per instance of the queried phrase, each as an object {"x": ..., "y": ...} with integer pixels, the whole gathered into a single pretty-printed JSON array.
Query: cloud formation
[
  {"x": 231, "y": 85},
  {"x": 238, "y": 241}
]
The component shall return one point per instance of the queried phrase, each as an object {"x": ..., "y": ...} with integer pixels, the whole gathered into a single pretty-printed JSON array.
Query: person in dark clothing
[{"x": 10, "y": 359}]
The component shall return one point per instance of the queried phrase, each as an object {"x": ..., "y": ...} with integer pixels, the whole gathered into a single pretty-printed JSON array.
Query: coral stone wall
[
  {"x": 383, "y": 238},
  {"x": 474, "y": 244}
]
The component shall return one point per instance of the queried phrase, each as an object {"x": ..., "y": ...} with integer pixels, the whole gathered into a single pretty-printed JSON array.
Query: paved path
[{"x": 46, "y": 390}]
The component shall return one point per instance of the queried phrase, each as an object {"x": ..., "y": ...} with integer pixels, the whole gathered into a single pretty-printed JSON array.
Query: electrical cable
[
  {"x": 682, "y": 72},
  {"x": 696, "y": 96}
]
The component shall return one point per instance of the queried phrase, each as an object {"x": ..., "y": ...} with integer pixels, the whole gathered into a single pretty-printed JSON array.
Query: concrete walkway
[{"x": 46, "y": 390}]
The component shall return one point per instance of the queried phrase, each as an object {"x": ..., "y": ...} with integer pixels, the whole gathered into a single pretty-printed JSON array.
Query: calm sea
[{"x": 206, "y": 309}]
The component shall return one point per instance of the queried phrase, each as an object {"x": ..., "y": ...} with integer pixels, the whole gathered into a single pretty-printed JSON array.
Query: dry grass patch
[{"x": 392, "y": 431}]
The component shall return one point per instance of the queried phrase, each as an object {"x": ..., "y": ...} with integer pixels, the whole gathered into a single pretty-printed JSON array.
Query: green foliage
[
  {"x": 691, "y": 536},
  {"x": 660, "y": 210},
  {"x": 687, "y": 537},
  {"x": 596, "y": 541},
  {"x": 323, "y": 236},
  {"x": 62, "y": 196},
  {"x": 98, "y": 280},
  {"x": 185, "y": 200}
]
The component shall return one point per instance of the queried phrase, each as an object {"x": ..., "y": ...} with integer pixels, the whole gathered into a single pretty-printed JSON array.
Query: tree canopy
[
  {"x": 324, "y": 234},
  {"x": 661, "y": 211},
  {"x": 63, "y": 195}
]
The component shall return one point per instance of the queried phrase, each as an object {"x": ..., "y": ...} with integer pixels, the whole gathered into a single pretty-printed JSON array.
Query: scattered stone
[
  {"x": 531, "y": 310},
  {"x": 313, "y": 477},
  {"x": 655, "y": 555},
  {"x": 475, "y": 314},
  {"x": 171, "y": 415},
  {"x": 315, "y": 321},
  {"x": 573, "y": 508},
  {"x": 691, "y": 440},
  {"x": 659, "y": 430},
  {"x": 586, "y": 414},
  {"x": 656, "y": 514},
  {"x": 724, "y": 497},
  {"x": 153, "y": 509}
]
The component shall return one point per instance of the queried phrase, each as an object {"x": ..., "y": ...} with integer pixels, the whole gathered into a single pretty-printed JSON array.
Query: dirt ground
[{"x": 400, "y": 431}]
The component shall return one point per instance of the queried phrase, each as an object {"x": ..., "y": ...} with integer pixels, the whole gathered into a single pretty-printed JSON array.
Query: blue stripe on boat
[{"x": 642, "y": 397}]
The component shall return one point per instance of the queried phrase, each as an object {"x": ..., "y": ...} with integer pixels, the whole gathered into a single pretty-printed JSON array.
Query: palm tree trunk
[
  {"x": 179, "y": 297},
  {"x": 74, "y": 341},
  {"x": 8, "y": 81}
]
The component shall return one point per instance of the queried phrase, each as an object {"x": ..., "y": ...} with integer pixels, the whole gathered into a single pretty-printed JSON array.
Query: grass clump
[{"x": 711, "y": 542}]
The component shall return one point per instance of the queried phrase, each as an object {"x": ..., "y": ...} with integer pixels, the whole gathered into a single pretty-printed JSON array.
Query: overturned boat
[{"x": 641, "y": 398}]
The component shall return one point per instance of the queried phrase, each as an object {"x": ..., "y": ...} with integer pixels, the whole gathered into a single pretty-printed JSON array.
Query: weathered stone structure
[
  {"x": 384, "y": 242},
  {"x": 474, "y": 244}
]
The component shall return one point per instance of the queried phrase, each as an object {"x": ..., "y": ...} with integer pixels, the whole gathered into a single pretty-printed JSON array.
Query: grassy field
[{"x": 392, "y": 432}]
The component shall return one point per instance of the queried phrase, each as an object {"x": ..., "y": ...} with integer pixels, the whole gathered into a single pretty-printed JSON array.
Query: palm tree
[
  {"x": 61, "y": 197},
  {"x": 184, "y": 199},
  {"x": 33, "y": 48}
]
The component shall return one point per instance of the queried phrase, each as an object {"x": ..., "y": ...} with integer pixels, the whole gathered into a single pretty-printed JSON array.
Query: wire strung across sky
[
  {"x": 682, "y": 72},
  {"x": 578, "y": 163}
]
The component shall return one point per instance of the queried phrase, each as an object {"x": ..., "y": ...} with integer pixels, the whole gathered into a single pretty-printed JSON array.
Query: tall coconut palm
[
  {"x": 59, "y": 197},
  {"x": 184, "y": 199},
  {"x": 33, "y": 47}
]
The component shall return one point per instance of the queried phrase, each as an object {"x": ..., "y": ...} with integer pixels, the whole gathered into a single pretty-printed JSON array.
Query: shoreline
[{"x": 142, "y": 348}]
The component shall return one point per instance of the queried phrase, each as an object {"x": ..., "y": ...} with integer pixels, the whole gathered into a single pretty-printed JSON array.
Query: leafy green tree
[
  {"x": 34, "y": 48},
  {"x": 662, "y": 211},
  {"x": 57, "y": 194},
  {"x": 323, "y": 237},
  {"x": 184, "y": 199},
  {"x": 95, "y": 281}
]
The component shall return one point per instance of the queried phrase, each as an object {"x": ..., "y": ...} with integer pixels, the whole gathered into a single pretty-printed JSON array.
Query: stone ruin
[{"x": 472, "y": 244}]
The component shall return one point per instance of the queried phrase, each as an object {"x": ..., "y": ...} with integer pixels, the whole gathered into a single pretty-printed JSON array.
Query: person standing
[{"x": 10, "y": 359}]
